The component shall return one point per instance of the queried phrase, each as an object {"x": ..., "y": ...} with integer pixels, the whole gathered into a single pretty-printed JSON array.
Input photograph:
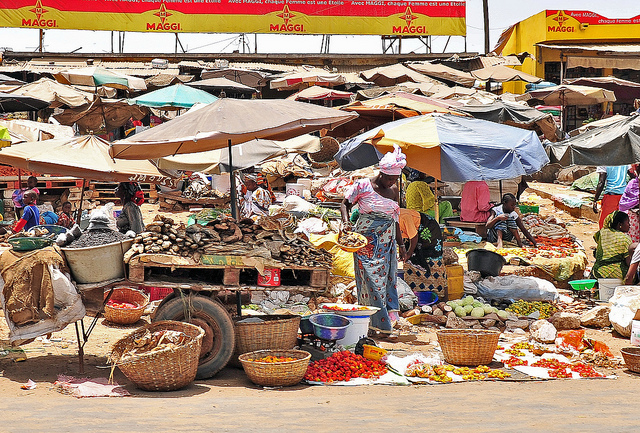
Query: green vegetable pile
[{"x": 470, "y": 307}]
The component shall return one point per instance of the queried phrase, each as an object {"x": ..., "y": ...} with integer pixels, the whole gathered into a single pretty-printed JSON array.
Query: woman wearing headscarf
[
  {"x": 376, "y": 264},
  {"x": 419, "y": 197},
  {"x": 254, "y": 199},
  {"x": 131, "y": 197},
  {"x": 629, "y": 205},
  {"x": 614, "y": 246}
]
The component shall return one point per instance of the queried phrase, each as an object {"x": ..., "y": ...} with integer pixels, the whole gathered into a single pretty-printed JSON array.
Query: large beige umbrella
[
  {"x": 395, "y": 74},
  {"x": 101, "y": 116},
  {"x": 567, "y": 94},
  {"x": 315, "y": 93},
  {"x": 29, "y": 130},
  {"x": 244, "y": 155},
  {"x": 55, "y": 93},
  {"x": 443, "y": 72},
  {"x": 229, "y": 120},
  {"x": 502, "y": 74},
  {"x": 311, "y": 77},
  {"x": 84, "y": 157},
  {"x": 95, "y": 76}
]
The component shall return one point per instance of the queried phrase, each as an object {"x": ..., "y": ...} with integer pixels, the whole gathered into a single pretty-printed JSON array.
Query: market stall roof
[
  {"x": 615, "y": 144},
  {"x": 55, "y": 93},
  {"x": 101, "y": 115},
  {"x": 451, "y": 148},
  {"x": 596, "y": 124},
  {"x": 222, "y": 83},
  {"x": 36, "y": 131},
  {"x": 315, "y": 93},
  {"x": 307, "y": 77},
  {"x": 174, "y": 97},
  {"x": 395, "y": 74},
  {"x": 84, "y": 157},
  {"x": 624, "y": 90},
  {"x": 443, "y": 72},
  {"x": 514, "y": 114},
  {"x": 245, "y": 155},
  {"x": 98, "y": 76},
  {"x": 163, "y": 80},
  {"x": 502, "y": 74},
  {"x": 247, "y": 77},
  {"x": 10, "y": 102},
  {"x": 235, "y": 120},
  {"x": 9, "y": 81},
  {"x": 572, "y": 95}
]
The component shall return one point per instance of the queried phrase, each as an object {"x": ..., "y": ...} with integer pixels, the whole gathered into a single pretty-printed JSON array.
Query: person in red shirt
[
  {"x": 64, "y": 217},
  {"x": 475, "y": 205},
  {"x": 30, "y": 215}
]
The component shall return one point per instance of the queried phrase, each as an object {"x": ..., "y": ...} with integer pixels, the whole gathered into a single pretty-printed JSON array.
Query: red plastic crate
[{"x": 157, "y": 293}]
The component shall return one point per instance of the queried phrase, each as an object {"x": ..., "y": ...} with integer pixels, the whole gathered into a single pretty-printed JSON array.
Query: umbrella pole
[
  {"x": 232, "y": 182},
  {"x": 437, "y": 208},
  {"x": 79, "y": 215}
]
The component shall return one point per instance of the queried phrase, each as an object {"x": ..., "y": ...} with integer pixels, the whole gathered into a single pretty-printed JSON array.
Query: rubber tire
[{"x": 212, "y": 313}]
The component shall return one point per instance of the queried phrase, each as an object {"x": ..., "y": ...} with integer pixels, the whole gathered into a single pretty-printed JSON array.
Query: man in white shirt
[{"x": 504, "y": 222}]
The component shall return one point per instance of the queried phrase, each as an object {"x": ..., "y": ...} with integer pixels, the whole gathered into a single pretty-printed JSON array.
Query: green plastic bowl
[
  {"x": 582, "y": 284},
  {"x": 28, "y": 244}
]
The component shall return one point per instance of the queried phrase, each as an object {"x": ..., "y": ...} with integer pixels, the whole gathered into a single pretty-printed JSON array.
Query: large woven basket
[
  {"x": 277, "y": 332},
  {"x": 125, "y": 316},
  {"x": 468, "y": 346},
  {"x": 324, "y": 157},
  {"x": 163, "y": 370},
  {"x": 275, "y": 373},
  {"x": 631, "y": 357}
]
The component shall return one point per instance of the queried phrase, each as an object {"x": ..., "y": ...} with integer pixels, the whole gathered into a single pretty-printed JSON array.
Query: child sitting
[
  {"x": 64, "y": 217},
  {"x": 30, "y": 215},
  {"x": 504, "y": 222}
]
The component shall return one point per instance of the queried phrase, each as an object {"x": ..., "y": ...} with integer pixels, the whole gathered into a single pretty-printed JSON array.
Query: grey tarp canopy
[
  {"x": 517, "y": 115},
  {"x": 610, "y": 145}
]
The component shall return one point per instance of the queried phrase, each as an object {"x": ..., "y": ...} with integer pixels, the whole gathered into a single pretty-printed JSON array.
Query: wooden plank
[
  {"x": 136, "y": 273},
  {"x": 231, "y": 277},
  {"x": 319, "y": 278}
]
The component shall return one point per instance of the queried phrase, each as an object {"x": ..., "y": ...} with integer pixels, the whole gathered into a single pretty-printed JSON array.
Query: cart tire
[{"x": 219, "y": 340}]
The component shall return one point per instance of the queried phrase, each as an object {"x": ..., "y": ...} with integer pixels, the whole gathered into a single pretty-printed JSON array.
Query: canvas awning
[
  {"x": 315, "y": 93},
  {"x": 618, "y": 56},
  {"x": 395, "y": 74},
  {"x": 443, "y": 72},
  {"x": 502, "y": 74}
]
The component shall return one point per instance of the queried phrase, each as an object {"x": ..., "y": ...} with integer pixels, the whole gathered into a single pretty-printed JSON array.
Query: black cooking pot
[{"x": 488, "y": 263}]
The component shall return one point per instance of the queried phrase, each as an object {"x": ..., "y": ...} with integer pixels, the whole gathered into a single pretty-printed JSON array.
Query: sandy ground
[{"x": 229, "y": 402}]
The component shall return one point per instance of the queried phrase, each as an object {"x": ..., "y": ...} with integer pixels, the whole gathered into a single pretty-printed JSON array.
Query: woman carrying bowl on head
[{"x": 376, "y": 264}]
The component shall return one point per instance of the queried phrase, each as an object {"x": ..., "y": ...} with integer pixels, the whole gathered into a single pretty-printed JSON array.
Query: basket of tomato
[
  {"x": 275, "y": 367},
  {"x": 125, "y": 306}
]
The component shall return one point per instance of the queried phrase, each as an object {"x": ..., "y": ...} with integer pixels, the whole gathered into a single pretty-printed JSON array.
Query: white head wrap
[{"x": 392, "y": 163}]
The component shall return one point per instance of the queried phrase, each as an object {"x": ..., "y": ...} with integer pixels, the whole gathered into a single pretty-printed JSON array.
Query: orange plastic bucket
[{"x": 271, "y": 278}]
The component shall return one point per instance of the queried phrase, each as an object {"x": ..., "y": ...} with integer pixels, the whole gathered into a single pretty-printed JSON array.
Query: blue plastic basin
[{"x": 329, "y": 326}]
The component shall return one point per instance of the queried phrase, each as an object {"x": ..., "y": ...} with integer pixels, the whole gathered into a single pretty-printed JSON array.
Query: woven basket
[
  {"x": 468, "y": 346},
  {"x": 631, "y": 357},
  {"x": 275, "y": 333},
  {"x": 163, "y": 370},
  {"x": 324, "y": 157},
  {"x": 125, "y": 316},
  {"x": 276, "y": 373}
]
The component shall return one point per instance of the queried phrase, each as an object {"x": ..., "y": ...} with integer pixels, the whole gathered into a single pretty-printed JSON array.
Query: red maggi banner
[{"x": 347, "y": 17}]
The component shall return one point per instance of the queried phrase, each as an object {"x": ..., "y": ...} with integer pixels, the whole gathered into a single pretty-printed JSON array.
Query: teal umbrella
[{"x": 176, "y": 97}]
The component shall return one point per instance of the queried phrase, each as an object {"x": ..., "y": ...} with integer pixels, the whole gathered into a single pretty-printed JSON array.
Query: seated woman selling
[
  {"x": 419, "y": 197},
  {"x": 424, "y": 236},
  {"x": 254, "y": 199},
  {"x": 614, "y": 247}
]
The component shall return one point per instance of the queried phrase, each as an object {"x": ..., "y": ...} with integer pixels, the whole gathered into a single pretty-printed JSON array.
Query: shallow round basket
[
  {"x": 125, "y": 316},
  {"x": 349, "y": 249},
  {"x": 468, "y": 346},
  {"x": 324, "y": 157},
  {"x": 631, "y": 357},
  {"x": 162, "y": 370},
  {"x": 275, "y": 373}
]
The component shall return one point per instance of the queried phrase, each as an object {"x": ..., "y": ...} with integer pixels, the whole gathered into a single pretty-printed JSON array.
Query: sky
[{"x": 502, "y": 14}]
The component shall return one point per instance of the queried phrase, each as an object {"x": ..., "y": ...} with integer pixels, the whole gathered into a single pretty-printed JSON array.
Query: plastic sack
[
  {"x": 293, "y": 203},
  {"x": 513, "y": 287},
  {"x": 342, "y": 260},
  {"x": 572, "y": 339},
  {"x": 64, "y": 292},
  {"x": 406, "y": 297},
  {"x": 625, "y": 302},
  {"x": 311, "y": 225}
]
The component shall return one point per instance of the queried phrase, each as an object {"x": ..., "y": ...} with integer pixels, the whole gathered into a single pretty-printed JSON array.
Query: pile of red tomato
[
  {"x": 344, "y": 366},
  {"x": 559, "y": 369},
  {"x": 123, "y": 305}
]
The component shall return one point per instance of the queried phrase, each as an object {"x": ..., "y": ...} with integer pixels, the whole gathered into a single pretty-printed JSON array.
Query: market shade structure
[
  {"x": 9, "y": 81},
  {"x": 451, "y": 148},
  {"x": 443, "y": 72},
  {"x": 29, "y": 130},
  {"x": 317, "y": 93},
  {"x": 395, "y": 74},
  {"x": 101, "y": 115},
  {"x": 222, "y": 83},
  {"x": 311, "y": 77},
  {"x": 56, "y": 94},
  {"x": 624, "y": 90},
  {"x": 247, "y": 77},
  {"x": 518, "y": 115},
  {"x": 84, "y": 157},
  {"x": 572, "y": 95},
  {"x": 503, "y": 74},
  {"x": 609, "y": 145},
  {"x": 245, "y": 155},
  {"x": 174, "y": 97},
  {"x": 10, "y": 103},
  {"x": 235, "y": 120},
  {"x": 96, "y": 76},
  {"x": 596, "y": 124}
]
